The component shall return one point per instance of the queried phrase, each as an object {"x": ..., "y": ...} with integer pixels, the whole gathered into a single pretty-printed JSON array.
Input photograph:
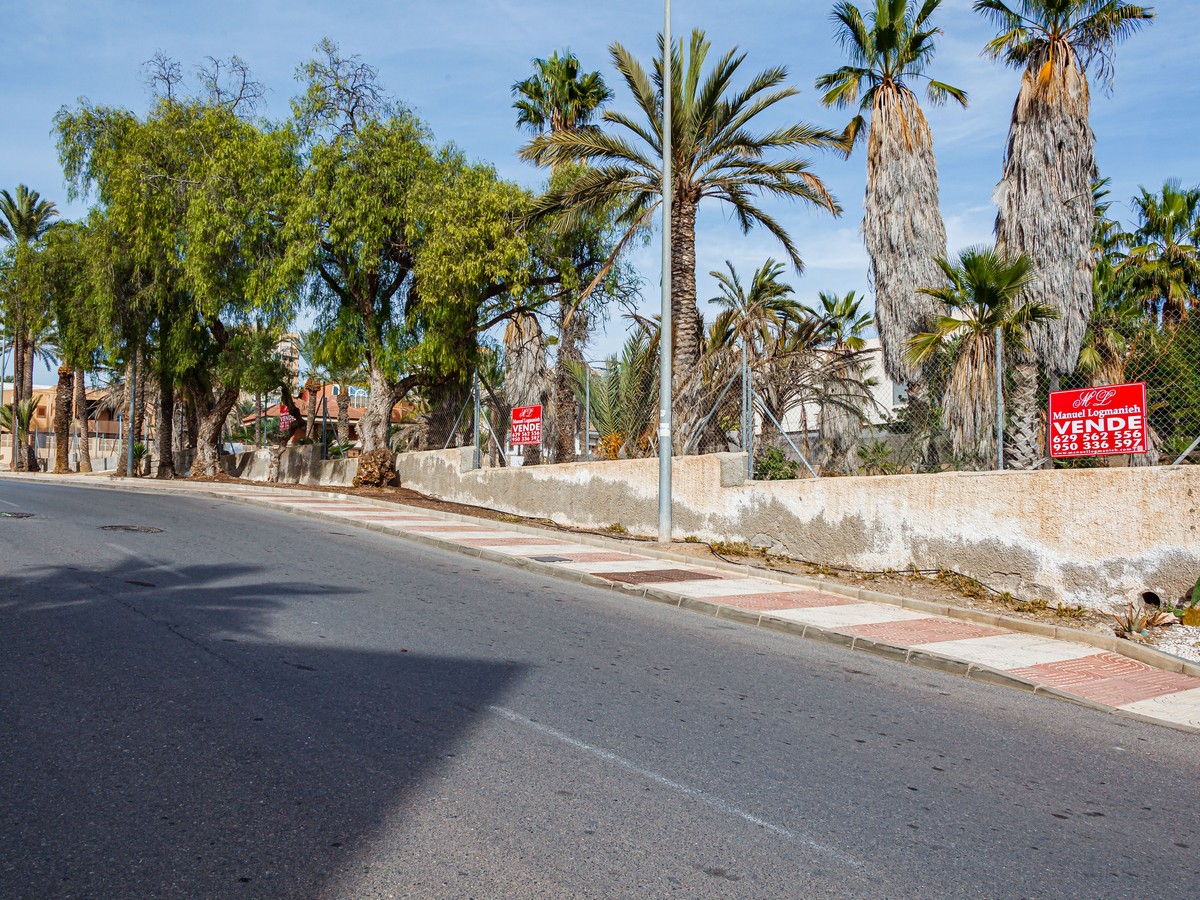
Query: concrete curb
[{"x": 894, "y": 652}]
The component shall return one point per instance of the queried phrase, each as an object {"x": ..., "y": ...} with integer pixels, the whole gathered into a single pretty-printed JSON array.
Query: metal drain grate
[
  {"x": 15, "y": 515},
  {"x": 138, "y": 529},
  {"x": 549, "y": 559}
]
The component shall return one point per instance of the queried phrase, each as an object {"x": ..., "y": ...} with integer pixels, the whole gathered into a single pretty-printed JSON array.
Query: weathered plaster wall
[
  {"x": 1086, "y": 536},
  {"x": 297, "y": 465}
]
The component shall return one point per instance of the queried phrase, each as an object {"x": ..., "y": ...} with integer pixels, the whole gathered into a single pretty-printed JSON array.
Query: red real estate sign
[
  {"x": 526, "y": 426},
  {"x": 1100, "y": 421}
]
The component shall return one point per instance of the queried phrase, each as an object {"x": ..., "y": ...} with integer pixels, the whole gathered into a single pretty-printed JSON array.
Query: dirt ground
[{"x": 945, "y": 587}]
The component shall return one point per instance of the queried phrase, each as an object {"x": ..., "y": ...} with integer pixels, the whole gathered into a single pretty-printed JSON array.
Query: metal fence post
[
  {"x": 1000, "y": 399},
  {"x": 587, "y": 411},
  {"x": 475, "y": 424}
]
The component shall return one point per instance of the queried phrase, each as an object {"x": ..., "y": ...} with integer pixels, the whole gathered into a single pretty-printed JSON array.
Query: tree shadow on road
[{"x": 157, "y": 741}]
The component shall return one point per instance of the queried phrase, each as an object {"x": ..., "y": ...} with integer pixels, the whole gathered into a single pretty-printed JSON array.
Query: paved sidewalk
[{"x": 1066, "y": 669}]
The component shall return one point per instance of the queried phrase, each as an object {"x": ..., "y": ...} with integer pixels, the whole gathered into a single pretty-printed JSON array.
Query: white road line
[
  {"x": 6, "y": 503},
  {"x": 148, "y": 563},
  {"x": 663, "y": 781}
]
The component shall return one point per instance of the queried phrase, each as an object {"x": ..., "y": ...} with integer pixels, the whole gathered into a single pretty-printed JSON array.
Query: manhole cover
[
  {"x": 656, "y": 576},
  {"x": 140, "y": 529},
  {"x": 549, "y": 559},
  {"x": 15, "y": 515}
]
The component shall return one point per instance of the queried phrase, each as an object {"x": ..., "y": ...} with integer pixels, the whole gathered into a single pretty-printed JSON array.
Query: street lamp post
[{"x": 664, "y": 341}]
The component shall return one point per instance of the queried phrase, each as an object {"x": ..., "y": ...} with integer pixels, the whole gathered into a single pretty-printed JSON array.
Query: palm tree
[
  {"x": 1045, "y": 195},
  {"x": 715, "y": 155},
  {"x": 890, "y": 50},
  {"x": 984, "y": 290},
  {"x": 559, "y": 98},
  {"x": 748, "y": 316},
  {"x": 846, "y": 396},
  {"x": 24, "y": 221},
  {"x": 1163, "y": 259},
  {"x": 624, "y": 397},
  {"x": 751, "y": 319}
]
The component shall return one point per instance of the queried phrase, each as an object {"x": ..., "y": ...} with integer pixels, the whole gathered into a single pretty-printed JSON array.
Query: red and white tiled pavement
[{"x": 1076, "y": 670}]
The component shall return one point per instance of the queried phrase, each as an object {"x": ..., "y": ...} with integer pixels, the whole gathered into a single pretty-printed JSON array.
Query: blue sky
[{"x": 454, "y": 62}]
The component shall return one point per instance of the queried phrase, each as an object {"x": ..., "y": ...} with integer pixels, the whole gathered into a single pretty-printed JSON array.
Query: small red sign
[
  {"x": 526, "y": 426},
  {"x": 1099, "y": 421}
]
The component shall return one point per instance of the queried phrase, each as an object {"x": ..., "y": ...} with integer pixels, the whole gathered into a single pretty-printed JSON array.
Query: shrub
[{"x": 773, "y": 465}]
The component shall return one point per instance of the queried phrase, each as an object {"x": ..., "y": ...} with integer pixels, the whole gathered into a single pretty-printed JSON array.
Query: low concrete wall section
[
  {"x": 1088, "y": 536},
  {"x": 297, "y": 465}
]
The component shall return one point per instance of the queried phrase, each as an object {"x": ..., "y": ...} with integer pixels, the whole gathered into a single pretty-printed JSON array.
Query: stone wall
[{"x": 1088, "y": 536}]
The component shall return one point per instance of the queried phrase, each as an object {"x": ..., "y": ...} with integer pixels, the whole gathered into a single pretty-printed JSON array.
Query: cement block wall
[{"x": 1088, "y": 536}]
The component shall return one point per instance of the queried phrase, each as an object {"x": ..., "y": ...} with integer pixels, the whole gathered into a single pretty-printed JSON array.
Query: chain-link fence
[{"x": 830, "y": 410}]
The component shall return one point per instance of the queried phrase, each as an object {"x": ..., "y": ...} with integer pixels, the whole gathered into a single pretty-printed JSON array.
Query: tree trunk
[
  {"x": 208, "y": 434},
  {"x": 566, "y": 404},
  {"x": 685, "y": 316},
  {"x": 343, "y": 415},
  {"x": 81, "y": 422},
  {"x": 27, "y": 379},
  {"x": 19, "y": 460},
  {"x": 1045, "y": 206},
  {"x": 1023, "y": 446},
  {"x": 127, "y": 433},
  {"x": 139, "y": 416},
  {"x": 191, "y": 425},
  {"x": 377, "y": 417},
  {"x": 310, "y": 423},
  {"x": 166, "y": 428},
  {"x": 902, "y": 229},
  {"x": 62, "y": 421}
]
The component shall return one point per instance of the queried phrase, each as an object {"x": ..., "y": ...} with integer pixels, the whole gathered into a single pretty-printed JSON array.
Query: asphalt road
[{"x": 247, "y": 704}]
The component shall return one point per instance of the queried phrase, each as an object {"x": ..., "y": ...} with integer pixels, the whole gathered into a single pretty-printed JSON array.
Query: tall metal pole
[
  {"x": 664, "y": 341},
  {"x": 587, "y": 411},
  {"x": 747, "y": 423},
  {"x": 999, "y": 400}
]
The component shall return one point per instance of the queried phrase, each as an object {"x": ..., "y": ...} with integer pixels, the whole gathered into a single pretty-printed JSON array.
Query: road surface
[{"x": 249, "y": 704}]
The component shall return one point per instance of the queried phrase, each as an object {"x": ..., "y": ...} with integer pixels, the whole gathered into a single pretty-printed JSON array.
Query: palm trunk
[
  {"x": 81, "y": 422},
  {"x": 62, "y": 421},
  {"x": 1023, "y": 444},
  {"x": 166, "y": 428},
  {"x": 685, "y": 316},
  {"x": 902, "y": 229},
  {"x": 1045, "y": 203},
  {"x": 566, "y": 404},
  {"x": 343, "y": 415},
  {"x": 27, "y": 370}
]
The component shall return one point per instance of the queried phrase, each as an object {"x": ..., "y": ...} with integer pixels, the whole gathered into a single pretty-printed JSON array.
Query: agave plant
[{"x": 1137, "y": 619}]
